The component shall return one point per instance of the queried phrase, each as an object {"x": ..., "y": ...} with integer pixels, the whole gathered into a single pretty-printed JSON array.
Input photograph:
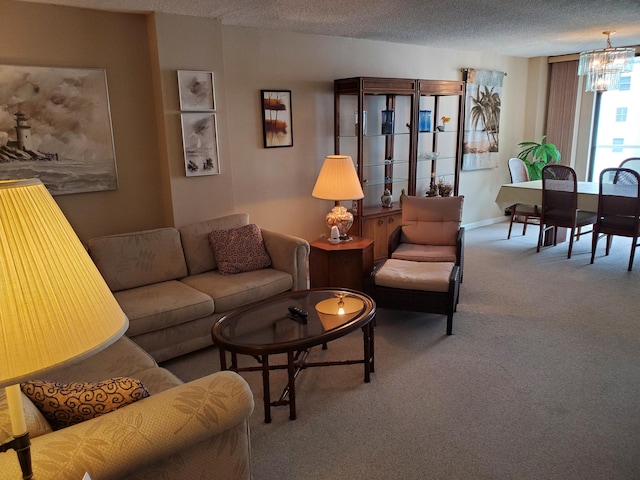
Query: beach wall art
[
  {"x": 55, "y": 125},
  {"x": 483, "y": 100}
]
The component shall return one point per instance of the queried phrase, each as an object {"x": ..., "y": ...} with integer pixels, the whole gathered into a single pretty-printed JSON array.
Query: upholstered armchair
[{"x": 431, "y": 231}]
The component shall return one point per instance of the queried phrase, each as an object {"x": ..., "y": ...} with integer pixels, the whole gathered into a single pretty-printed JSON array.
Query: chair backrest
[
  {"x": 431, "y": 220},
  {"x": 518, "y": 170},
  {"x": 559, "y": 188},
  {"x": 632, "y": 164},
  {"x": 619, "y": 199}
]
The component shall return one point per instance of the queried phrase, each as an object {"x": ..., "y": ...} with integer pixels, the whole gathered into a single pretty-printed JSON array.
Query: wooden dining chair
[
  {"x": 560, "y": 205},
  {"x": 521, "y": 212},
  {"x": 632, "y": 163},
  {"x": 618, "y": 209}
]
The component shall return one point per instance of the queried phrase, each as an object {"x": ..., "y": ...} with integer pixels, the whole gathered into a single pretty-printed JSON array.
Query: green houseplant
[{"x": 536, "y": 155}]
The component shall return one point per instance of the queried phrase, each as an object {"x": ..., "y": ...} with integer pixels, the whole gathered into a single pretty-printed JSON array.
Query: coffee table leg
[
  {"x": 292, "y": 386},
  {"x": 372, "y": 326},
  {"x": 265, "y": 389},
  {"x": 367, "y": 334},
  {"x": 223, "y": 359}
]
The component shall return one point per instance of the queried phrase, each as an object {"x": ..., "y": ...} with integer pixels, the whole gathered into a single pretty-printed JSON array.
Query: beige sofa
[
  {"x": 168, "y": 283},
  {"x": 181, "y": 431}
]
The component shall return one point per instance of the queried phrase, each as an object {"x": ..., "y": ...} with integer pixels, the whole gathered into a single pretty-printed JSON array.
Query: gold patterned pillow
[
  {"x": 65, "y": 404},
  {"x": 239, "y": 249}
]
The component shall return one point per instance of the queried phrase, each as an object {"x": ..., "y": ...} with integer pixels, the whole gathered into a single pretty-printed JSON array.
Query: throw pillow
[
  {"x": 239, "y": 249},
  {"x": 64, "y": 405}
]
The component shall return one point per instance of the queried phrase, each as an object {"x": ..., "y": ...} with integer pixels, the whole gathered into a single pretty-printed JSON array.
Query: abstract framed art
[
  {"x": 277, "y": 129},
  {"x": 55, "y": 125},
  {"x": 200, "y": 143},
  {"x": 196, "y": 90}
]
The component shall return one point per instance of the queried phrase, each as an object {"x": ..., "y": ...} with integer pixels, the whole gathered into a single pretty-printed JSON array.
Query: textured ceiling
[{"x": 525, "y": 28}]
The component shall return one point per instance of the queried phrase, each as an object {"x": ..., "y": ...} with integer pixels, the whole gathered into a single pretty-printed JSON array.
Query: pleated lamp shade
[
  {"x": 55, "y": 307},
  {"x": 338, "y": 180}
]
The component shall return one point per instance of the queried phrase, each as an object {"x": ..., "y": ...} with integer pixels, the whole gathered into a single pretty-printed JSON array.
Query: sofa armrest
[
  {"x": 289, "y": 254},
  {"x": 136, "y": 437}
]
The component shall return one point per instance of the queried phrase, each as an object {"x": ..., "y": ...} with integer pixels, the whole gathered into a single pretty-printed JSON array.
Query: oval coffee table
[{"x": 273, "y": 326}]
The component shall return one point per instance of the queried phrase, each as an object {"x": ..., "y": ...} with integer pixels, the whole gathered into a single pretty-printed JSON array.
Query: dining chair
[
  {"x": 560, "y": 205},
  {"x": 632, "y": 163},
  {"x": 618, "y": 209},
  {"x": 520, "y": 212}
]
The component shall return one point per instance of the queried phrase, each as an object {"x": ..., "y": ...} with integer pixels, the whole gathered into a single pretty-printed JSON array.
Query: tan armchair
[
  {"x": 426, "y": 254},
  {"x": 431, "y": 231}
]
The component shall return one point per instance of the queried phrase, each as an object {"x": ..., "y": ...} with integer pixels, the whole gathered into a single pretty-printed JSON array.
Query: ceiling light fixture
[{"x": 603, "y": 67}]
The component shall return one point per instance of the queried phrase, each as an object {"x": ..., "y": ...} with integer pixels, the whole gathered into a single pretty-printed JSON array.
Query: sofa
[
  {"x": 180, "y": 431},
  {"x": 169, "y": 284}
]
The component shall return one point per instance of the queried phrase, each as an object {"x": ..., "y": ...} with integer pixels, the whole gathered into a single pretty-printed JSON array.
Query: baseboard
[{"x": 484, "y": 223}]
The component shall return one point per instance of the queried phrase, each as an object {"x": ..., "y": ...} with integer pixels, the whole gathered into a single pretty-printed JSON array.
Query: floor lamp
[{"x": 55, "y": 307}]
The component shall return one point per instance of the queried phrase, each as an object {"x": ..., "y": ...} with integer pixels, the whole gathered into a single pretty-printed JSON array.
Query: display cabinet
[{"x": 393, "y": 130}]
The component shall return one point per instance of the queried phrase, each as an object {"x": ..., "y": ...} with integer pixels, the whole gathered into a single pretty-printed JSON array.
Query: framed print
[
  {"x": 276, "y": 118},
  {"x": 55, "y": 125},
  {"x": 196, "y": 91},
  {"x": 200, "y": 142}
]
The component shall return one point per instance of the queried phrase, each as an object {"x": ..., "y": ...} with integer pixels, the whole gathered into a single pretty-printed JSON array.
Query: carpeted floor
[{"x": 541, "y": 379}]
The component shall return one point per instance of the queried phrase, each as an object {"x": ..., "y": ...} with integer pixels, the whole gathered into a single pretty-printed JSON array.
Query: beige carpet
[{"x": 541, "y": 379}]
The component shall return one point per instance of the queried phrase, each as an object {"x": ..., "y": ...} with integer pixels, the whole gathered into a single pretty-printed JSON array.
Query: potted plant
[{"x": 541, "y": 154}]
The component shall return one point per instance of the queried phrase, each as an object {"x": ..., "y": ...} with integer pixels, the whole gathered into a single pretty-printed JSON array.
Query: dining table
[{"x": 531, "y": 193}]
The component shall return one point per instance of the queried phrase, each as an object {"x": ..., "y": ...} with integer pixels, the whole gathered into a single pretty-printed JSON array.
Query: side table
[{"x": 342, "y": 265}]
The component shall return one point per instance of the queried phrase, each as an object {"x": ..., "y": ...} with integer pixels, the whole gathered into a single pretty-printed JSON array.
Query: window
[
  {"x": 625, "y": 82},
  {"x": 617, "y": 145},
  {"x": 616, "y": 129},
  {"x": 621, "y": 114}
]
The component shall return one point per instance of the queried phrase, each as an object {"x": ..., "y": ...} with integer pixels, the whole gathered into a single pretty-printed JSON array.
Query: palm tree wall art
[{"x": 482, "y": 119}]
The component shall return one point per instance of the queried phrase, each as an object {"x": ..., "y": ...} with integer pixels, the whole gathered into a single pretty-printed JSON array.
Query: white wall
[{"x": 274, "y": 185}]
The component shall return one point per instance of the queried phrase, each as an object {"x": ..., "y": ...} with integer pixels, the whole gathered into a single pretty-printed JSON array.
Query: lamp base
[{"x": 340, "y": 217}]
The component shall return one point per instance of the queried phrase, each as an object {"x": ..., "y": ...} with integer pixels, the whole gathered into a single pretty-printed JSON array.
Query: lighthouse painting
[{"x": 55, "y": 125}]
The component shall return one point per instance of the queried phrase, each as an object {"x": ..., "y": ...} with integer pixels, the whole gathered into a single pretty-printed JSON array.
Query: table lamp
[
  {"x": 338, "y": 181},
  {"x": 55, "y": 307}
]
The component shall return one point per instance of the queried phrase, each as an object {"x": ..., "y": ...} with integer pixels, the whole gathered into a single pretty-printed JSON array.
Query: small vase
[{"x": 387, "y": 199}]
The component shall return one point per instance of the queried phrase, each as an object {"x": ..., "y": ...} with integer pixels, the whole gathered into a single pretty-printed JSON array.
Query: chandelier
[{"x": 603, "y": 67}]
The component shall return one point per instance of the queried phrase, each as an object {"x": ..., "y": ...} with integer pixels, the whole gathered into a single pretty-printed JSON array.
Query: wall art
[
  {"x": 200, "y": 143},
  {"x": 482, "y": 119},
  {"x": 196, "y": 89},
  {"x": 277, "y": 126},
  {"x": 55, "y": 125}
]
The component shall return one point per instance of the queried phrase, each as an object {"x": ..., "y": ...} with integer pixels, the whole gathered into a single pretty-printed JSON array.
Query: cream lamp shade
[
  {"x": 55, "y": 307},
  {"x": 338, "y": 181}
]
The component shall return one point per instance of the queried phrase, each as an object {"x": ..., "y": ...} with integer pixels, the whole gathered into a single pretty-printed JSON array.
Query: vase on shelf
[{"x": 387, "y": 198}]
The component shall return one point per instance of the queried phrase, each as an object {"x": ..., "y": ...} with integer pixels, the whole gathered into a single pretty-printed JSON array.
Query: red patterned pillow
[
  {"x": 239, "y": 249},
  {"x": 65, "y": 404}
]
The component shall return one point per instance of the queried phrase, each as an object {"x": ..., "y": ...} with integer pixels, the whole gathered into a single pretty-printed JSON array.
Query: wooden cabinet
[
  {"x": 378, "y": 226},
  {"x": 344, "y": 265},
  {"x": 393, "y": 130}
]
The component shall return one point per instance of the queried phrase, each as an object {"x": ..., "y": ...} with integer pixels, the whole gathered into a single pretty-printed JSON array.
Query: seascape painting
[{"x": 55, "y": 125}]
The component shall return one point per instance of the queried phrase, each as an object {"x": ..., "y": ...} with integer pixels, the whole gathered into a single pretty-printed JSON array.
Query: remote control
[{"x": 297, "y": 312}]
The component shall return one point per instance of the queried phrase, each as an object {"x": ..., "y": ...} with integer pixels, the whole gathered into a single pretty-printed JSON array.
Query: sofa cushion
[
  {"x": 431, "y": 220},
  {"x": 124, "y": 358},
  {"x": 162, "y": 305},
  {"x": 65, "y": 404},
  {"x": 195, "y": 241},
  {"x": 233, "y": 291},
  {"x": 141, "y": 258},
  {"x": 239, "y": 249},
  {"x": 36, "y": 423}
]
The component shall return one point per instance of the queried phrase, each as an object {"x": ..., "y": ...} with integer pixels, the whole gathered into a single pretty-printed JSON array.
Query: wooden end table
[{"x": 342, "y": 265}]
